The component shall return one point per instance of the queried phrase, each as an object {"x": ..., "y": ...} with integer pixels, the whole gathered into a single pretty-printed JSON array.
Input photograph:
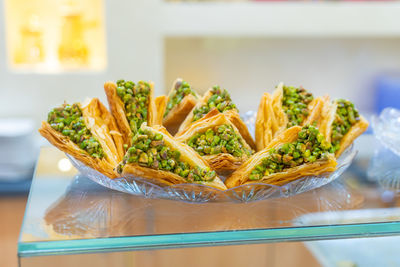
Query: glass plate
[{"x": 200, "y": 193}]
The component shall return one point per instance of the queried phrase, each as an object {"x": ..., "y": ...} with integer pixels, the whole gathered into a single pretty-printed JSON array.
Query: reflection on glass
[{"x": 88, "y": 210}]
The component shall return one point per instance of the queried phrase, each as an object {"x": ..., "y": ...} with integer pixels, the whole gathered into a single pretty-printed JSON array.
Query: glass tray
[
  {"x": 67, "y": 213},
  {"x": 201, "y": 193}
]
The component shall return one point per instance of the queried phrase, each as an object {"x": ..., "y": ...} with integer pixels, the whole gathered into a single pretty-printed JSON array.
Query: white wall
[
  {"x": 247, "y": 67},
  {"x": 132, "y": 52}
]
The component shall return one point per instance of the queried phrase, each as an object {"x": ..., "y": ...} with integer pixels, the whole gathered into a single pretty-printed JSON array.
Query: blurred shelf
[
  {"x": 277, "y": 19},
  {"x": 15, "y": 187}
]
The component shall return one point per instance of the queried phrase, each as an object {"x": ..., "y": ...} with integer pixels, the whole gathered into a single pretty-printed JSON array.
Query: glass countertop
[{"x": 69, "y": 214}]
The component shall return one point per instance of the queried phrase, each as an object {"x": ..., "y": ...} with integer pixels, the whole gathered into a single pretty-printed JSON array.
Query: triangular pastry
[
  {"x": 218, "y": 141},
  {"x": 157, "y": 156},
  {"x": 131, "y": 104},
  {"x": 88, "y": 132},
  {"x": 288, "y": 106},
  {"x": 295, "y": 153}
]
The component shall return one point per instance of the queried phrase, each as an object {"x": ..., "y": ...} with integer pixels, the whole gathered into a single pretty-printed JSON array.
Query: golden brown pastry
[
  {"x": 88, "y": 132},
  {"x": 214, "y": 98},
  {"x": 341, "y": 124},
  {"x": 220, "y": 100},
  {"x": 295, "y": 153},
  {"x": 218, "y": 141},
  {"x": 288, "y": 106},
  {"x": 131, "y": 105},
  {"x": 266, "y": 124},
  {"x": 234, "y": 117},
  {"x": 160, "y": 103},
  {"x": 157, "y": 156},
  {"x": 181, "y": 100}
]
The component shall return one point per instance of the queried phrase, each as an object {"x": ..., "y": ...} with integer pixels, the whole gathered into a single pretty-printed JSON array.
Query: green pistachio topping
[
  {"x": 309, "y": 147},
  {"x": 294, "y": 104},
  {"x": 219, "y": 99},
  {"x": 182, "y": 89},
  {"x": 68, "y": 120},
  {"x": 346, "y": 116},
  {"x": 150, "y": 150},
  {"x": 219, "y": 139},
  {"x": 136, "y": 100}
]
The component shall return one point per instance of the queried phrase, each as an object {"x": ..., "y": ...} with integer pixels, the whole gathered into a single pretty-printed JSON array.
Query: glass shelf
[{"x": 69, "y": 214}]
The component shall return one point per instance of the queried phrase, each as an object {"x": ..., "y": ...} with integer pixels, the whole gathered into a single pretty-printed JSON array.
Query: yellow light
[
  {"x": 55, "y": 36},
  {"x": 64, "y": 165}
]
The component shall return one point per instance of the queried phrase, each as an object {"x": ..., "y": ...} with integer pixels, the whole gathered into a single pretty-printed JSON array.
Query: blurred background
[{"x": 64, "y": 50}]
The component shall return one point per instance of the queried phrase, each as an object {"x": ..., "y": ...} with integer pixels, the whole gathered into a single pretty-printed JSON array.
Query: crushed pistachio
[
  {"x": 219, "y": 99},
  {"x": 309, "y": 147},
  {"x": 181, "y": 90},
  {"x": 136, "y": 100},
  {"x": 346, "y": 116},
  {"x": 150, "y": 150},
  {"x": 68, "y": 120},
  {"x": 219, "y": 139},
  {"x": 294, "y": 103}
]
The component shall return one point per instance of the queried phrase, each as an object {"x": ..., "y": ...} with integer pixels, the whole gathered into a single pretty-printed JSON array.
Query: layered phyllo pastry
[
  {"x": 217, "y": 99},
  {"x": 87, "y": 132},
  {"x": 180, "y": 101},
  {"x": 288, "y": 106},
  {"x": 218, "y": 141},
  {"x": 131, "y": 104},
  {"x": 295, "y": 153},
  {"x": 341, "y": 123},
  {"x": 156, "y": 155}
]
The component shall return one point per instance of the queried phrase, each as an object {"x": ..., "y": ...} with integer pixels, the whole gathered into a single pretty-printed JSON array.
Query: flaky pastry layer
[
  {"x": 241, "y": 175},
  {"x": 187, "y": 154},
  {"x": 118, "y": 110},
  {"x": 160, "y": 105},
  {"x": 179, "y": 112},
  {"x": 327, "y": 119},
  {"x": 103, "y": 127},
  {"x": 223, "y": 163},
  {"x": 272, "y": 120}
]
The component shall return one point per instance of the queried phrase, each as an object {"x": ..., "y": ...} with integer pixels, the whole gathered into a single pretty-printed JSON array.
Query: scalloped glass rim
[
  {"x": 201, "y": 193},
  {"x": 386, "y": 128}
]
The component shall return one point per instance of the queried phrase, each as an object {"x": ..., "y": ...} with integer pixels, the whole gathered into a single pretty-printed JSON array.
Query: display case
[
  {"x": 246, "y": 46},
  {"x": 68, "y": 214}
]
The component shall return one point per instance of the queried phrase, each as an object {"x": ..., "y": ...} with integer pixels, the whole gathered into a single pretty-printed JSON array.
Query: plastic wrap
[{"x": 384, "y": 166}]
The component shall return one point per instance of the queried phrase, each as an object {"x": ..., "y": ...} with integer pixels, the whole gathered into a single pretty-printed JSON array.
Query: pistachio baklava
[
  {"x": 341, "y": 123},
  {"x": 131, "y": 104},
  {"x": 218, "y": 100},
  {"x": 218, "y": 141},
  {"x": 181, "y": 100},
  {"x": 288, "y": 106},
  {"x": 88, "y": 132},
  {"x": 214, "y": 98},
  {"x": 295, "y": 153},
  {"x": 156, "y": 155}
]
